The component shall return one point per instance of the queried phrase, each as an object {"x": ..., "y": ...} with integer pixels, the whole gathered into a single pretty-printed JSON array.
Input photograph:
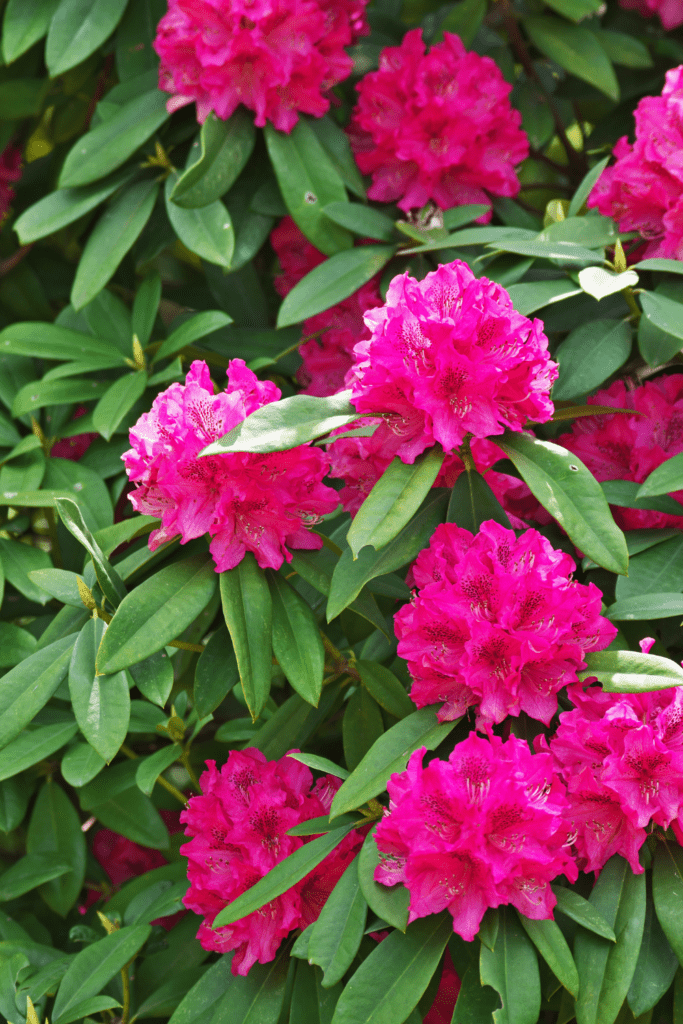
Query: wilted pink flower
[
  {"x": 450, "y": 356},
  {"x": 437, "y": 126},
  {"x": 279, "y": 59},
  {"x": 10, "y": 171},
  {"x": 328, "y": 357},
  {"x": 643, "y": 190},
  {"x": 670, "y": 11},
  {"x": 496, "y": 623},
  {"x": 621, "y": 756},
  {"x": 247, "y": 502},
  {"x": 485, "y": 828},
  {"x": 630, "y": 447},
  {"x": 239, "y": 827}
]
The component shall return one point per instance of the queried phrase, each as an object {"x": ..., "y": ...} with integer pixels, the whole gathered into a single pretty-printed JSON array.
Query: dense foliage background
[{"x": 135, "y": 242}]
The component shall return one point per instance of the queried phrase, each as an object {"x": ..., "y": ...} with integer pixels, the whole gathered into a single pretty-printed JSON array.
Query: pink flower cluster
[
  {"x": 485, "y": 828},
  {"x": 643, "y": 190},
  {"x": 239, "y": 831},
  {"x": 10, "y": 171},
  {"x": 449, "y": 356},
  {"x": 277, "y": 58},
  {"x": 670, "y": 11},
  {"x": 437, "y": 126},
  {"x": 327, "y": 358},
  {"x": 497, "y": 623},
  {"x": 247, "y": 502},
  {"x": 630, "y": 447},
  {"x": 621, "y": 757}
]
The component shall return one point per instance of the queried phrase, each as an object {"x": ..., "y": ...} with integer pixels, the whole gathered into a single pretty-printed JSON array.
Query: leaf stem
[{"x": 125, "y": 981}]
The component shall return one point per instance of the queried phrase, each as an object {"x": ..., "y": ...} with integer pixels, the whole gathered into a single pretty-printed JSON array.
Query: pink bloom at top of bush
[
  {"x": 496, "y": 623},
  {"x": 279, "y": 59},
  {"x": 670, "y": 11},
  {"x": 621, "y": 756},
  {"x": 10, "y": 171},
  {"x": 437, "y": 126},
  {"x": 630, "y": 447},
  {"x": 643, "y": 190},
  {"x": 485, "y": 828},
  {"x": 448, "y": 356},
  {"x": 239, "y": 832},
  {"x": 247, "y": 502}
]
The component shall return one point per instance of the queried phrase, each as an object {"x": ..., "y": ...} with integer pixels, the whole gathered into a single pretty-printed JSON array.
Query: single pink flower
[{"x": 437, "y": 126}]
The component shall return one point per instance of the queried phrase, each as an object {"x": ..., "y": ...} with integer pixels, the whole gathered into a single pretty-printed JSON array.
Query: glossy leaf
[
  {"x": 663, "y": 313},
  {"x": 511, "y": 968},
  {"x": 337, "y": 933},
  {"x": 133, "y": 815},
  {"x": 56, "y": 392},
  {"x": 589, "y": 355},
  {"x": 362, "y": 220},
  {"x": 574, "y": 906},
  {"x": 77, "y": 29},
  {"x": 218, "y": 157},
  {"x": 52, "y": 341},
  {"x": 632, "y": 671},
  {"x": 118, "y": 400},
  {"x": 571, "y": 494},
  {"x": 206, "y": 230},
  {"x": 586, "y": 187},
  {"x": 55, "y": 831},
  {"x": 389, "y": 902},
  {"x": 157, "y": 611},
  {"x": 575, "y": 49},
  {"x": 216, "y": 672},
  {"x": 667, "y": 891},
  {"x": 150, "y": 768},
  {"x": 552, "y": 945},
  {"x": 472, "y": 502},
  {"x": 28, "y": 687},
  {"x": 297, "y": 644},
  {"x": 247, "y": 608},
  {"x": 476, "y": 1003},
  {"x": 23, "y": 25},
  {"x": 623, "y": 493},
  {"x": 654, "y": 571},
  {"x": 664, "y": 479},
  {"x": 108, "y": 578},
  {"x": 100, "y": 703},
  {"x": 80, "y": 764},
  {"x": 528, "y": 298},
  {"x": 198, "y": 326},
  {"x": 393, "y": 501},
  {"x": 649, "y": 606},
  {"x": 37, "y": 745},
  {"x": 154, "y": 678},
  {"x": 386, "y": 689},
  {"x": 656, "y": 967}
]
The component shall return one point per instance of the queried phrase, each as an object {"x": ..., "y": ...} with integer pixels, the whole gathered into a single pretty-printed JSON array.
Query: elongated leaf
[
  {"x": 55, "y": 831},
  {"x": 406, "y": 963},
  {"x": 109, "y": 145},
  {"x": 152, "y": 767},
  {"x": 362, "y": 725},
  {"x": 205, "y": 230},
  {"x": 28, "y": 687},
  {"x": 649, "y": 606},
  {"x": 528, "y": 298},
  {"x": 472, "y": 502},
  {"x": 656, "y": 570},
  {"x": 117, "y": 400},
  {"x": 623, "y": 493},
  {"x": 286, "y": 424},
  {"x": 80, "y": 764},
  {"x": 566, "y": 252},
  {"x": 389, "y": 902},
  {"x": 51, "y": 341},
  {"x": 23, "y": 25},
  {"x": 631, "y": 671},
  {"x": 218, "y": 157},
  {"x": 94, "y": 966},
  {"x": 55, "y": 392},
  {"x": 297, "y": 643},
  {"x": 247, "y": 608},
  {"x": 586, "y": 187},
  {"x": 584, "y": 913},
  {"x": 216, "y": 672},
  {"x": 330, "y": 282},
  {"x": 664, "y": 479},
  {"x": 30, "y": 747},
  {"x": 511, "y": 968},
  {"x": 113, "y": 236},
  {"x": 108, "y": 578},
  {"x": 576, "y": 50},
  {"x": 552, "y": 945},
  {"x": 18, "y": 560},
  {"x": 385, "y": 688},
  {"x": 665, "y": 266},
  {"x": 393, "y": 500},
  {"x": 77, "y": 29},
  {"x": 663, "y": 313},
  {"x": 606, "y": 969},
  {"x": 196, "y": 327},
  {"x": 572, "y": 495},
  {"x": 308, "y": 182},
  {"x": 15, "y": 644},
  {"x": 362, "y": 220},
  {"x": 101, "y": 704},
  {"x": 157, "y": 611},
  {"x": 132, "y": 814},
  {"x": 476, "y": 1003},
  {"x": 589, "y": 355},
  {"x": 667, "y": 891},
  {"x": 154, "y": 678},
  {"x": 388, "y": 755},
  {"x": 282, "y": 877},
  {"x": 338, "y": 931},
  {"x": 28, "y": 873},
  {"x": 199, "y": 1003},
  {"x": 656, "y": 967}
]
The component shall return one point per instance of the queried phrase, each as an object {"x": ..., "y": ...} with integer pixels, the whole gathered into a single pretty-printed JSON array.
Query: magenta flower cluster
[
  {"x": 643, "y": 190},
  {"x": 484, "y": 828},
  {"x": 670, "y": 11},
  {"x": 246, "y": 502},
  {"x": 621, "y": 758},
  {"x": 278, "y": 58},
  {"x": 449, "y": 356},
  {"x": 437, "y": 126},
  {"x": 497, "y": 623},
  {"x": 239, "y": 828}
]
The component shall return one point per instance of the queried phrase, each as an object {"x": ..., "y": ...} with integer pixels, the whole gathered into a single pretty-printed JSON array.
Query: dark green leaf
[
  {"x": 80, "y": 764},
  {"x": 60, "y": 584},
  {"x": 584, "y": 913},
  {"x": 145, "y": 306},
  {"x": 606, "y": 969},
  {"x": 132, "y": 814},
  {"x": 571, "y": 494},
  {"x": 77, "y": 29},
  {"x": 623, "y": 49},
  {"x": 656, "y": 570},
  {"x": 15, "y": 644},
  {"x": 108, "y": 578},
  {"x": 118, "y": 399},
  {"x": 28, "y": 873},
  {"x": 200, "y": 1002},
  {"x": 198, "y": 326},
  {"x": 362, "y": 220},
  {"x": 589, "y": 355},
  {"x": 586, "y": 187},
  {"x": 476, "y": 1003},
  {"x": 150, "y": 768},
  {"x": 388, "y": 755},
  {"x": 247, "y": 607},
  {"x": 528, "y": 298},
  {"x": 566, "y": 252},
  {"x": 361, "y": 727},
  {"x": 631, "y": 671},
  {"x": 512, "y": 970},
  {"x": 552, "y": 945},
  {"x": 217, "y": 156},
  {"x": 663, "y": 313},
  {"x": 31, "y": 747},
  {"x": 96, "y": 1004},
  {"x": 575, "y": 10},
  {"x": 335, "y": 142},
  {"x": 389, "y": 902},
  {"x": 385, "y": 688},
  {"x": 649, "y": 606},
  {"x": 206, "y": 230},
  {"x": 393, "y": 501},
  {"x": 24, "y": 24},
  {"x": 320, "y": 764},
  {"x": 656, "y": 967},
  {"x": 56, "y": 392},
  {"x": 464, "y": 19},
  {"x": 109, "y": 145},
  {"x": 15, "y": 794},
  {"x": 55, "y": 831},
  {"x": 667, "y": 890},
  {"x": 575, "y": 49},
  {"x": 154, "y": 678},
  {"x": 623, "y": 493},
  {"x": 216, "y": 672},
  {"x": 297, "y": 643},
  {"x": 113, "y": 236},
  {"x": 664, "y": 479},
  {"x": 664, "y": 266},
  {"x": 94, "y": 966},
  {"x": 656, "y": 346},
  {"x": 28, "y": 687},
  {"x": 283, "y": 876},
  {"x": 337, "y": 933},
  {"x": 472, "y": 502},
  {"x": 157, "y": 611},
  {"x": 66, "y": 205},
  {"x": 18, "y": 560},
  {"x": 101, "y": 704},
  {"x": 593, "y": 232}
]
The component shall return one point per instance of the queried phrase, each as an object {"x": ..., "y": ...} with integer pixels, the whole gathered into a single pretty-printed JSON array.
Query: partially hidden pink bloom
[
  {"x": 621, "y": 757},
  {"x": 10, "y": 171},
  {"x": 643, "y": 190},
  {"x": 239, "y": 828},
  {"x": 450, "y": 356},
  {"x": 497, "y": 623},
  {"x": 279, "y": 58},
  {"x": 245, "y": 501},
  {"x": 485, "y": 828},
  {"x": 437, "y": 126},
  {"x": 670, "y": 11},
  {"x": 73, "y": 448},
  {"x": 623, "y": 446},
  {"x": 328, "y": 357}
]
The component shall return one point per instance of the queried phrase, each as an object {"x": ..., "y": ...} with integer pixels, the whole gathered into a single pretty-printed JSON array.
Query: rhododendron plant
[
  {"x": 258, "y": 503},
  {"x": 670, "y": 12},
  {"x": 497, "y": 623},
  {"x": 487, "y": 826},
  {"x": 278, "y": 59},
  {"x": 437, "y": 126}
]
